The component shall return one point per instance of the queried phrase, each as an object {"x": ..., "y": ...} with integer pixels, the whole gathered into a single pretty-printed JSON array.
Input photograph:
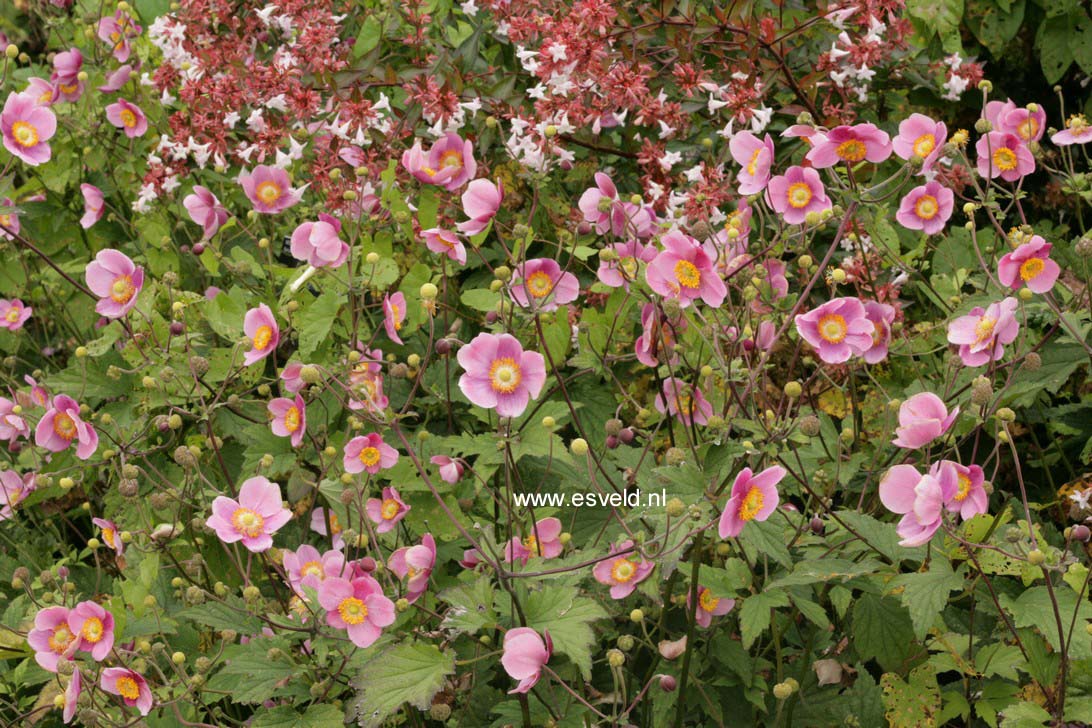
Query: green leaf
[
  {"x": 480, "y": 299},
  {"x": 939, "y": 17},
  {"x": 1080, "y": 41},
  {"x": 1034, "y": 608},
  {"x": 427, "y": 206},
  {"x": 407, "y": 673},
  {"x": 925, "y": 594},
  {"x": 882, "y": 630},
  {"x": 754, "y": 615},
  {"x": 316, "y": 716},
  {"x": 371, "y": 32},
  {"x": 1052, "y": 42},
  {"x": 568, "y": 617},
  {"x": 994, "y": 26},
  {"x": 912, "y": 704},
  {"x": 766, "y": 538},
  {"x": 230, "y": 615},
  {"x": 882, "y": 537},
  {"x": 249, "y": 676},
  {"x": 824, "y": 570},
  {"x": 315, "y": 322},
  {"x": 471, "y": 606},
  {"x": 1024, "y": 715}
]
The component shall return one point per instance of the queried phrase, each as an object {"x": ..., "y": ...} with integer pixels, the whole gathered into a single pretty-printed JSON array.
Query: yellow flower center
[
  {"x": 292, "y": 419},
  {"x": 964, "y": 488},
  {"x": 832, "y": 328},
  {"x": 531, "y": 544},
  {"x": 707, "y": 601},
  {"x": 1028, "y": 129},
  {"x": 1077, "y": 123},
  {"x": 269, "y": 192},
  {"x": 851, "y": 151},
  {"x": 247, "y": 522},
  {"x": 1004, "y": 159},
  {"x": 64, "y": 425},
  {"x": 1031, "y": 268},
  {"x": 629, "y": 267},
  {"x": 369, "y": 456},
  {"x": 687, "y": 274},
  {"x": 122, "y": 289},
  {"x": 352, "y": 610},
  {"x": 752, "y": 166},
  {"x": 800, "y": 194},
  {"x": 396, "y": 317},
  {"x": 108, "y": 537},
  {"x": 25, "y": 134},
  {"x": 312, "y": 568},
  {"x": 390, "y": 509},
  {"x": 335, "y": 524},
  {"x": 623, "y": 570},
  {"x": 60, "y": 639},
  {"x": 92, "y": 630},
  {"x": 924, "y": 145},
  {"x": 752, "y": 504},
  {"x": 12, "y": 315},
  {"x": 539, "y": 284},
  {"x": 128, "y": 118},
  {"x": 451, "y": 158},
  {"x": 128, "y": 688},
  {"x": 504, "y": 375},
  {"x": 926, "y": 207},
  {"x": 262, "y": 337},
  {"x": 983, "y": 330}
]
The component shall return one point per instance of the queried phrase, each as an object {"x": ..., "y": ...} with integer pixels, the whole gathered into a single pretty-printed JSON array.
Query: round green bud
[{"x": 579, "y": 447}]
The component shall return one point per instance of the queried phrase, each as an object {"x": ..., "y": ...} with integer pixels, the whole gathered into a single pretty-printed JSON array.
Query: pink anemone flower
[
  {"x": 983, "y": 333},
  {"x": 919, "y": 136},
  {"x": 445, "y": 242},
  {"x": 27, "y": 128},
  {"x": 262, "y": 330},
  {"x": 72, "y": 696},
  {"x": 451, "y": 469},
  {"x": 415, "y": 563},
  {"x": 1003, "y": 155},
  {"x": 205, "y": 209},
  {"x": 130, "y": 686},
  {"x": 93, "y": 628},
  {"x": 387, "y": 511},
  {"x": 922, "y": 419},
  {"x": 394, "y": 315},
  {"x": 754, "y": 498},
  {"x": 525, "y": 653},
  {"x": 970, "y": 497},
  {"x": 13, "y": 489},
  {"x": 540, "y": 284},
  {"x": 269, "y": 189},
  {"x": 1077, "y": 131},
  {"x": 499, "y": 374},
  {"x": 623, "y": 572},
  {"x": 110, "y": 535},
  {"x": 686, "y": 272},
  {"x": 851, "y": 144},
  {"x": 659, "y": 333},
  {"x": 52, "y": 639},
  {"x": 13, "y": 314},
  {"x": 683, "y": 402},
  {"x": 253, "y": 518},
  {"x": 127, "y": 117},
  {"x": 926, "y": 208},
  {"x": 882, "y": 316},
  {"x": 544, "y": 540},
  {"x": 919, "y": 499},
  {"x": 370, "y": 453},
  {"x": 116, "y": 280},
  {"x": 61, "y": 424},
  {"x": 288, "y": 418},
  {"x": 796, "y": 193},
  {"x": 449, "y": 163},
  {"x": 481, "y": 201},
  {"x": 837, "y": 330},
  {"x": 1029, "y": 265},
  {"x": 601, "y": 207},
  {"x": 318, "y": 243},
  {"x": 307, "y": 567},
  {"x": 12, "y": 425},
  {"x": 358, "y": 607},
  {"x": 116, "y": 80},
  {"x": 9, "y": 221},
  {"x": 1006, "y": 116},
  {"x": 709, "y": 606},
  {"x": 92, "y": 205},
  {"x": 623, "y": 269},
  {"x": 755, "y": 156}
]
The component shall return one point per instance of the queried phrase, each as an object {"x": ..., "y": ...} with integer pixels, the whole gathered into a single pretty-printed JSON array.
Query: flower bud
[
  {"x": 675, "y": 507},
  {"x": 579, "y": 447},
  {"x": 637, "y": 615},
  {"x": 616, "y": 658}
]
